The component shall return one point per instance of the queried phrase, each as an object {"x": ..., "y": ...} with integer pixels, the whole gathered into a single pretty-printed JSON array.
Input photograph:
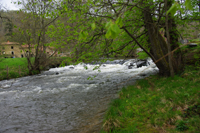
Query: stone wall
[{"x": 13, "y": 50}]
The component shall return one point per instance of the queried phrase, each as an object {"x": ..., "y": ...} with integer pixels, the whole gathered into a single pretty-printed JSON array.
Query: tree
[
  {"x": 9, "y": 28},
  {"x": 102, "y": 24},
  {"x": 32, "y": 31},
  {"x": 6, "y": 24}
]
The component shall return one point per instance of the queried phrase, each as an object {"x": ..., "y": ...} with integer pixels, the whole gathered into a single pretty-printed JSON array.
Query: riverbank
[
  {"x": 157, "y": 104},
  {"x": 17, "y": 67},
  {"x": 65, "y": 99},
  {"x": 13, "y": 68}
]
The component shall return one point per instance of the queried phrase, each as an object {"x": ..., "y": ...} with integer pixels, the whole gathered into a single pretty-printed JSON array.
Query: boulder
[
  {"x": 130, "y": 67},
  {"x": 142, "y": 74},
  {"x": 192, "y": 45},
  {"x": 71, "y": 67},
  {"x": 131, "y": 64},
  {"x": 141, "y": 63}
]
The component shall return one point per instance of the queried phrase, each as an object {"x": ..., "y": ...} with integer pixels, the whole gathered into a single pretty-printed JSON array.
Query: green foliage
[
  {"x": 177, "y": 6},
  {"x": 119, "y": 21},
  {"x": 14, "y": 74},
  {"x": 35, "y": 72},
  {"x": 188, "y": 4},
  {"x": 142, "y": 55},
  {"x": 93, "y": 26},
  {"x": 83, "y": 35},
  {"x": 173, "y": 9},
  {"x": 9, "y": 27},
  {"x": 112, "y": 30},
  {"x": 92, "y": 30}
]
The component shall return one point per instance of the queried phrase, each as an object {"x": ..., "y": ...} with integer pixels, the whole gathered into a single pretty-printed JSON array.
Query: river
[{"x": 70, "y": 99}]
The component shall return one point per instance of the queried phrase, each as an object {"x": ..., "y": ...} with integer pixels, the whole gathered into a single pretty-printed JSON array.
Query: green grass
[
  {"x": 17, "y": 68},
  {"x": 157, "y": 104},
  {"x": 12, "y": 62}
]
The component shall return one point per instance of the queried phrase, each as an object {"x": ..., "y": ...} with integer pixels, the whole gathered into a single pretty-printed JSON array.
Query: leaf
[
  {"x": 112, "y": 30},
  {"x": 66, "y": 9},
  {"x": 108, "y": 33},
  {"x": 188, "y": 4},
  {"x": 93, "y": 26},
  {"x": 108, "y": 24},
  {"x": 83, "y": 35},
  {"x": 115, "y": 28},
  {"x": 119, "y": 21},
  {"x": 113, "y": 34},
  {"x": 80, "y": 36},
  {"x": 173, "y": 9}
]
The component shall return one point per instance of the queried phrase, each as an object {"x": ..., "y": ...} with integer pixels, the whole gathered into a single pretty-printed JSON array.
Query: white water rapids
[{"x": 63, "y": 100}]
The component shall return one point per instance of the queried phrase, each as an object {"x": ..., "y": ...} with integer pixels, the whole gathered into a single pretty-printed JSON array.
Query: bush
[
  {"x": 13, "y": 74},
  {"x": 142, "y": 55}
]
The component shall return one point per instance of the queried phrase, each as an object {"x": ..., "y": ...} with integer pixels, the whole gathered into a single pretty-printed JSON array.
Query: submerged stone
[
  {"x": 192, "y": 45},
  {"x": 141, "y": 63}
]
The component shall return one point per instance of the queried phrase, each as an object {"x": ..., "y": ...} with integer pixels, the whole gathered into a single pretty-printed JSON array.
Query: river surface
[{"x": 71, "y": 99}]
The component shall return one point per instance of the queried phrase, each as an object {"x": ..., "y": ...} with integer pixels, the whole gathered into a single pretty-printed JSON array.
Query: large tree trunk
[
  {"x": 168, "y": 40},
  {"x": 177, "y": 58},
  {"x": 159, "y": 46}
]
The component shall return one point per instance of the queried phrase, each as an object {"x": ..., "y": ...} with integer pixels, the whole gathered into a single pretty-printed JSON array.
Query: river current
[{"x": 70, "y": 99}]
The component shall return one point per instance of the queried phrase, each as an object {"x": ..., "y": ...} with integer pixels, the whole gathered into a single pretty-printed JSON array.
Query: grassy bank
[
  {"x": 157, "y": 104},
  {"x": 17, "y": 67},
  {"x": 13, "y": 68}
]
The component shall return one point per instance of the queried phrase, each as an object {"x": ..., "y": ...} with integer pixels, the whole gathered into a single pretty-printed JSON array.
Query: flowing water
[{"x": 70, "y": 99}]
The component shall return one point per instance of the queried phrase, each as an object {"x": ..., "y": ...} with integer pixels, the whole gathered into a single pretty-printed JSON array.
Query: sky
[{"x": 7, "y": 5}]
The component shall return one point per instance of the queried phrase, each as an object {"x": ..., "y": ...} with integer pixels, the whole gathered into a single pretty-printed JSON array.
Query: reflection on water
[{"x": 63, "y": 100}]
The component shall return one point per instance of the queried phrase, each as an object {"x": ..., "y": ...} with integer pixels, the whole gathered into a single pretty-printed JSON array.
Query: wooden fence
[{"x": 12, "y": 72}]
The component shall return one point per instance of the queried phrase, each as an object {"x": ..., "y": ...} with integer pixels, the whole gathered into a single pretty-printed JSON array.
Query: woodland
[{"x": 95, "y": 30}]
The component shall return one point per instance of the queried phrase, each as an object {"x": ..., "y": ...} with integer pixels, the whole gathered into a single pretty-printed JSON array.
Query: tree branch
[{"x": 139, "y": 43}]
